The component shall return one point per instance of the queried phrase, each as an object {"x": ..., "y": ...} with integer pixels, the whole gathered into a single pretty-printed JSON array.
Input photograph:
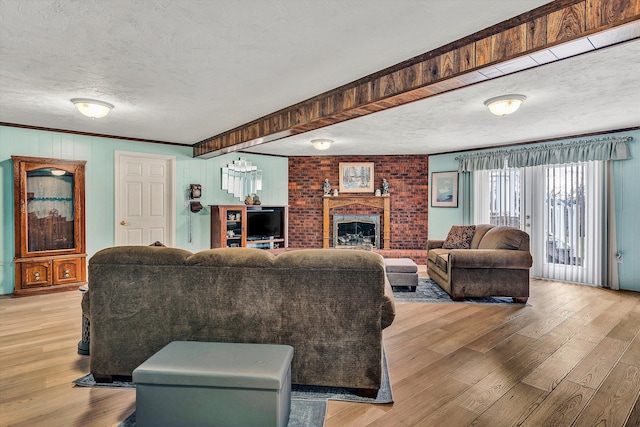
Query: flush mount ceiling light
[
  {"x": 505, "y": 104},
  {"x": 92, "y": 107},
  {"x": 321, "y": 144}
]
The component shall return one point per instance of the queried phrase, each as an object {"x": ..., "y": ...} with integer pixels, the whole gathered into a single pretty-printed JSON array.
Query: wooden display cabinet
[
  {"x": 253, "y": 226},
  {"x": 49, "y": 221},
  {"x": 228, "y": 226}
]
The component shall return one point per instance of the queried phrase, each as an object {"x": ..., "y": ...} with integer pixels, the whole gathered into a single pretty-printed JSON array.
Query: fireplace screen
[{"x": 355, "y": 230}]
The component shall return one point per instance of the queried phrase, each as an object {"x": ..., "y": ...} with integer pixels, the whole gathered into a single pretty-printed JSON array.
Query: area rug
[
  {"x": 308, "y": 403},
  {"x": 429, "y": 291}
]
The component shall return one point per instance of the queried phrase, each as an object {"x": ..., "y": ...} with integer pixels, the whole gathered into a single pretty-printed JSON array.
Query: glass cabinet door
[
  {"x": 49, "y": 210},
  {"x": 235, "y": 228}
]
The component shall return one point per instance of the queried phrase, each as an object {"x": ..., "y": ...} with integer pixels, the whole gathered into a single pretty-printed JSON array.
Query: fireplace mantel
[{"x": 382, "y": 202}]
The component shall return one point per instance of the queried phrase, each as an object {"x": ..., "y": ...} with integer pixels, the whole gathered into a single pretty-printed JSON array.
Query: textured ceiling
[
  {"x": 183, "y": 71},
  {"x": 590, "y": 93}
]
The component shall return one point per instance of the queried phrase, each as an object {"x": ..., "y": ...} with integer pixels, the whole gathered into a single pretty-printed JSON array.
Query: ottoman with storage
[
  {"x": 221, "y": 384},
  {"x": 402, "y": 272}
]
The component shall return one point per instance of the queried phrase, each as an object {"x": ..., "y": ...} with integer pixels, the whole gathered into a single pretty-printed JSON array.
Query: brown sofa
[
  {"x": 330, "y": 305},
  {"x": 496, "y": 263}
]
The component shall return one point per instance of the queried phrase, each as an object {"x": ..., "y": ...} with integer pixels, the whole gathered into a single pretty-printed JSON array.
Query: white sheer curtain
[
  {"x": 481, "y": 196},
  {"x": 500, "y": 200}
]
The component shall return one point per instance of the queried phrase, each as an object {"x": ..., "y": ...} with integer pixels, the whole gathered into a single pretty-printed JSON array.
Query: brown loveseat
[
  {"x": 330, "y": 305},
  {"x": 479, "y": 261}
]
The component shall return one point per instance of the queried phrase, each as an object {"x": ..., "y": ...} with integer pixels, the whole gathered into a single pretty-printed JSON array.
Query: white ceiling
[
  {"x": 593, "y": 92},
  {"x": 183, "y": 71}
]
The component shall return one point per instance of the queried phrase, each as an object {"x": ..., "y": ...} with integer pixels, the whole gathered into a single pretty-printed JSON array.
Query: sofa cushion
[
  {"x": 439, "y": 257},
  {"x": 442, "y": 260},
  {"x": 459, "y": 237},
  {"x": 504, "y": 237},
  {"x": 141, "y": 255},
  {"x": 233, "y": 257},
  {"x": 333, "y": 262},
  {"x": 481, "y": 230}
]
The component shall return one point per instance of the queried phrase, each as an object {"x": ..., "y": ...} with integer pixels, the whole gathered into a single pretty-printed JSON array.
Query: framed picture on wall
[
  {"x": 444, "y": 189},
  {"x": 356, "y": 177}
]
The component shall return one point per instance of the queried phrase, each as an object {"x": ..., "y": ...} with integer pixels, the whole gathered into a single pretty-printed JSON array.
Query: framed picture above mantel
[
  {"x": 444, "y": 189},
  {"x": 356, "y": 177}
]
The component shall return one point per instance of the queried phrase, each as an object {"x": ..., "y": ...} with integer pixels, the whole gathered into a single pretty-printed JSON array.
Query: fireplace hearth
[{"x": 356, "y": 230}]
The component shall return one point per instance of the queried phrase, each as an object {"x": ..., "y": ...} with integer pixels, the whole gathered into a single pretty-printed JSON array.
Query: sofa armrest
[
  {"x": 388, "y": 305},
  {"x": 490, "y": 258},
  {"x": 434, "y": 244}
]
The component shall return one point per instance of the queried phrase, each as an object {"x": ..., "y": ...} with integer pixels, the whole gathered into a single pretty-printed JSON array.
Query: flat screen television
[{"x": 264, "y": 224}]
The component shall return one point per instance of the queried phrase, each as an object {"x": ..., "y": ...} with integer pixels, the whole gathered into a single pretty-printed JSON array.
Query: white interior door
[{"x": 144, "y": 199}]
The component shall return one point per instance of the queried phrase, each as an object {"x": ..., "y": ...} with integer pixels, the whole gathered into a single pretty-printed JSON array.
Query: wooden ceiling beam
[{"x": 550, "y": 33}]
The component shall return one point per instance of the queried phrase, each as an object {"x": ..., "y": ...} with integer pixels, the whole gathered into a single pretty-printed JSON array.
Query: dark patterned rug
[{"x": 429, "y": 291}]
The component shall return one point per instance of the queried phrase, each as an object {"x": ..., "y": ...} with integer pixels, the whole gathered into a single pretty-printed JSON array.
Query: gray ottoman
[
  {"x": 190, "y": 383},
  {"x": 402, "y": 272}
]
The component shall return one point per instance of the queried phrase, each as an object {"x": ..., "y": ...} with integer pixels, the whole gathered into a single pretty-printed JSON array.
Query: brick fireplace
[{"x": 408, "y": 216}]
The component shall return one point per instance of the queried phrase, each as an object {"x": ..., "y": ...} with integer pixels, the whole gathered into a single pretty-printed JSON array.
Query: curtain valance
[{"x": 610, "y": 148}]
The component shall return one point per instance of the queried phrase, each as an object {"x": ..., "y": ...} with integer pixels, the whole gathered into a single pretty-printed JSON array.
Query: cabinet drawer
[
  {"x": 68, "y": 271},
  {"x": 36, "y": 274}
]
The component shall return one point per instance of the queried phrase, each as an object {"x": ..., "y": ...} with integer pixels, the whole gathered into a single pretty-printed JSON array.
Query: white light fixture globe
[
  {"x": 321, "y": 144},
  {"x": 505, "y": 104},
  {"x": 92, "y": 107}
]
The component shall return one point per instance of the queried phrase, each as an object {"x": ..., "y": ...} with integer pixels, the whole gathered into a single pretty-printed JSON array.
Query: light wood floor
[{"x": 570, "y": 357}]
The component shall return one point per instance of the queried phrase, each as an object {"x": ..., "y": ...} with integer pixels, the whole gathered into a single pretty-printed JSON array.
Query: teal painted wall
[
  {"x": 100, "y": 186},
  {"x": 627, "y": 197},
  {"x": 441, "y": 219}
]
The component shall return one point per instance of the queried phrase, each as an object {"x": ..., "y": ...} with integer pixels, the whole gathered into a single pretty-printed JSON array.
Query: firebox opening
[{"x": 355, "y": 230}]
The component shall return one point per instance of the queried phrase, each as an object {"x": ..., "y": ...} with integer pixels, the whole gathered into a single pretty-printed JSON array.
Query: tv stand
[{"x": 249, "y": 226}]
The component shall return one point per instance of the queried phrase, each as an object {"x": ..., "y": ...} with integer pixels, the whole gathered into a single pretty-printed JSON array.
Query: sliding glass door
[
  {"x": 568, "y": 231},
  {"x": 560, "y": 206}
]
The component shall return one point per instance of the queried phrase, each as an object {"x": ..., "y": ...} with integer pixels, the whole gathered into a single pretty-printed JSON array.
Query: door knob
[{"x": 124, "y": 223}]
